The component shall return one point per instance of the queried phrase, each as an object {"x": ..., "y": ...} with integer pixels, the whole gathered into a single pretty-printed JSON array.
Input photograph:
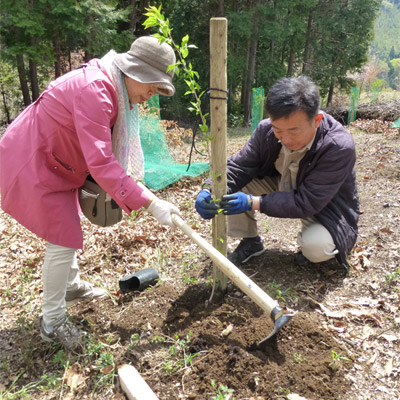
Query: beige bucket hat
[{"x": 147, "y": 61}]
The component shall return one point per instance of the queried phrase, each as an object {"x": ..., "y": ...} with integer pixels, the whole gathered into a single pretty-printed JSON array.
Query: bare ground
[{"x": 343, "y": 343}]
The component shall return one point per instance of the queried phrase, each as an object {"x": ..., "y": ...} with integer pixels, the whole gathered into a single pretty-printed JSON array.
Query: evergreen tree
[
  {"x": 24, "y": 40},
  {"x": 341, "y": 41}
]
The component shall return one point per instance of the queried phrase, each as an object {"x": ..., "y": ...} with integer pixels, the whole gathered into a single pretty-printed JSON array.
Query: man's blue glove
[
  {"x": 205, "y": 205},
  {"x": 236, "y": 203}
]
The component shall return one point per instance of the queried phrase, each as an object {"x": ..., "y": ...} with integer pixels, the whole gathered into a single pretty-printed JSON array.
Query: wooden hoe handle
[{"x": 229, "y": 269}]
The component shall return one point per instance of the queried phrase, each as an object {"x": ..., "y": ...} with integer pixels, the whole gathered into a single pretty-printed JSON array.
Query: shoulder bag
[{"x": 97, "y": 205}]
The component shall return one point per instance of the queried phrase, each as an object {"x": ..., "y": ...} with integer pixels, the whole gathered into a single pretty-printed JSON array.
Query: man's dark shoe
[
  {"x": 301, "y": 260},
  {"x": 248, "y": 248}
]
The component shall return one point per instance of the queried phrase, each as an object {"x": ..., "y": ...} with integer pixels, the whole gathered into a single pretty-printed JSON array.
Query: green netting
[
  {"x": 396, "y": 124},
  {"x": 354, "y": 95},
  {"x": 257, "y": 111},
  {"x": 160, "y": 169},
  {"x": 154, "y": 105},
  {"x": 375, "y": 94}
]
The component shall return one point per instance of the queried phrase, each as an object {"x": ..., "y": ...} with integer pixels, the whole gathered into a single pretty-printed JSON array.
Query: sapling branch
[{"x": 156, "y": 19}]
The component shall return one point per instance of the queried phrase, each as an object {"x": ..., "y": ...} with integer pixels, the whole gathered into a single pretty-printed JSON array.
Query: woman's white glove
[{"x": 162, "y": 210}]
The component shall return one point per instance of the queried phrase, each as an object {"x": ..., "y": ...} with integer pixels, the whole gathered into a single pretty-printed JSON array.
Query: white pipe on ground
[{"x": 134, "y": 386}]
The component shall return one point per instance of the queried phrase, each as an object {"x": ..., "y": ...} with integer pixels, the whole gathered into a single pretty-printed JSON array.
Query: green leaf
[
  {"x": 185, "y": 39},
  {"x": 185, "y": 52},
  {"x": 203, "y": 127},
  {"x": 171, "y": 67}
]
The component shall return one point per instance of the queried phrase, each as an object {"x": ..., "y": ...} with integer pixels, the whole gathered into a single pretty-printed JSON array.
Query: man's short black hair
[{"x": 288, "y": 95}]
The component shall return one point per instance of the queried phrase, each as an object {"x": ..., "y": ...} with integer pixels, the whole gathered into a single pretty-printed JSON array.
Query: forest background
[{"x": 338, "y": 43}]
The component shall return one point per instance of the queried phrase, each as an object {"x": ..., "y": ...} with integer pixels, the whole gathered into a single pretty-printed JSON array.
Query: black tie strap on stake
[
  {"x": 219, "y": 90},
  {"x": 193, "y": 146},
  {"x": 196, "y": 124}
]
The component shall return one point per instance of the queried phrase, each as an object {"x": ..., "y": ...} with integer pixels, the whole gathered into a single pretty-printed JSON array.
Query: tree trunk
[
  {"x": 330, "y": 94},
  {"x": 283, "y": 54},
  {"x": 22, "y": 80},
  {"x": 271, "y": 57},
  {"x": 230, "y": 98},
  {"x": 306, "y": 70},
  {"x": 292, "y": 55},
  {"x": 34, "y": 79},
  {"x": 88, "y": 56},
  {"x": 133, "y": 17},
  {"x": 57, "y": 52},
  {"x": 220, "y": 11},
  {"x": 245, "y": 74},
  {"x": 3, "y": 94},
  {"x": 250, "y": 78}
]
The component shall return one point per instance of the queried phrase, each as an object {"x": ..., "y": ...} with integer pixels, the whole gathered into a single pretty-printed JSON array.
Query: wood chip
[
  {"x": 389, "y": 367},
  {"x": 227, "y": 330}
]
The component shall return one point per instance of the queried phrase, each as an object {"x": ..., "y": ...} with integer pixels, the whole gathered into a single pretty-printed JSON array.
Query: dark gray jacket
[{"x": 326, "y": 180}]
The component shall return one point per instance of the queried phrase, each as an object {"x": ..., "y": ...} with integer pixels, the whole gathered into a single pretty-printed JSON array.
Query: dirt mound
[
  {"x": 387, "y": 111},
  {"x": 224, "y": 334}
]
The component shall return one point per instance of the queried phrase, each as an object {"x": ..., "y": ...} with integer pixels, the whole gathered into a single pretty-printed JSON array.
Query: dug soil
[{"x": 342, "y": 342}]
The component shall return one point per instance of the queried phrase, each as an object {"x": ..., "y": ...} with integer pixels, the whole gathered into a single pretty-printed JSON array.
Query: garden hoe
[{"x": 239, "y": 279}]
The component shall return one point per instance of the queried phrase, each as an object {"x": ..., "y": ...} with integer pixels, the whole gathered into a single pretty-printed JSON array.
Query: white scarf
[{"x": 125, "y": 136}]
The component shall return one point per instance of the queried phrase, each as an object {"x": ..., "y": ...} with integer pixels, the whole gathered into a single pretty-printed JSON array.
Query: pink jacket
[{"x": 49, "y": 150}]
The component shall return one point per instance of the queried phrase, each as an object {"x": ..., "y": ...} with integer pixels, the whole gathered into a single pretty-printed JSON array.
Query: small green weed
[
  {"x": 104, "y": 360},
  {"x": 23, "y": 393},
  {"x": 106, "y": 371},
  {"x": 390, "y": 278},
  {"x": 297, "y": 358},
  {"x": 61, "y": 359},
  {"x": 338, "y": 356},
  {"x": 112, "y": 339},
  {"x": 188, "y": 280},
  {"x": 50, "y": 382},
  {"x": 161, "y": 259},
  {"x": 275, "y": 291},
  {"x": 179, "y": 354},
  {"x": 188, "y": 265},
  {"x": 283, "y": 391},
  {"x": 27, "y": 274},
  {"x": 94, "y": 349},
  {"x": 135, "y": 340},
  {"x": 336, "y": 363},
  {"x": 133, "y": 215},
  {"x": 222, "y": 392},
  {"x": 4, "y": 366},
  {"x": 158, "y": 339}
]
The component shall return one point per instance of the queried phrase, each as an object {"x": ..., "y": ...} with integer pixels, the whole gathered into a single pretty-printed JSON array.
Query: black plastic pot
[{"x": 139, "y": 280}]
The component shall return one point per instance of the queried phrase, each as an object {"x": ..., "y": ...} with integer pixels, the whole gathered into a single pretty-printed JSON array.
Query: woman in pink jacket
[{"x": 85, "y": 122}]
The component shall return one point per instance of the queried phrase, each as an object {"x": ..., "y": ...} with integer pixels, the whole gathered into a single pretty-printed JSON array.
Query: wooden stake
[{"x": 218, "y": 117}]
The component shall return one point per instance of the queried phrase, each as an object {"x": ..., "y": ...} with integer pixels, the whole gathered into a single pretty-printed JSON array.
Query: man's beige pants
[{"x": 314, "y": 240}]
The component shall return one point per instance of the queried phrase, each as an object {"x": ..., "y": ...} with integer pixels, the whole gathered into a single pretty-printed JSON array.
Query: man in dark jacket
[{"x": 299, "y": 163}]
